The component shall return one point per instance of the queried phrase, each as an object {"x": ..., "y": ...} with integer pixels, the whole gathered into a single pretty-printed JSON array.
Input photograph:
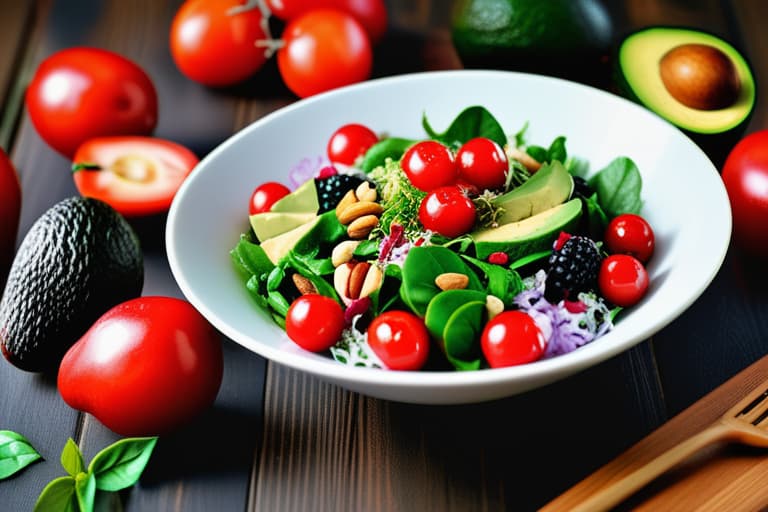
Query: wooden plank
[{"x": 15, "y": 25}]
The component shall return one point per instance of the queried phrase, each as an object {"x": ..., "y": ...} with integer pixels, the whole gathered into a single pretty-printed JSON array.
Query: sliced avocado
[
  {"x": 270, "y": 224},
  {"x": 302, "y": 200},
  {"x": 278, "y": 246},
  {"x": 550, "y": 186},
  {"x": 79, "y": 259},
  {"x": 534, "y": 234}
]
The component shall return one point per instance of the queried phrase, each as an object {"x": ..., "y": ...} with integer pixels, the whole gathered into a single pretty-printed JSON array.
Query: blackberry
[
  {"x": 330, "y": 190},
  {"x": 573, "y": 267}
]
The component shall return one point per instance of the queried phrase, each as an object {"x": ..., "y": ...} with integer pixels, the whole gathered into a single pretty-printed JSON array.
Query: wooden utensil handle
[{"x": 603, "y": 498}]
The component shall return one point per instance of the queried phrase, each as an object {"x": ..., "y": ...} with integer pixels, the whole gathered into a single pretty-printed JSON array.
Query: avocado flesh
[
  {"x": 550, "y": 186},
  {"x": 270, "y": 224},
  {"x": 79, "y": 259},
  {"x": 638, "y": 67},
  {"x": 530, "y": 235},
  {"x": 302, "y": 200},
  {"x": 279, "y": 246}
]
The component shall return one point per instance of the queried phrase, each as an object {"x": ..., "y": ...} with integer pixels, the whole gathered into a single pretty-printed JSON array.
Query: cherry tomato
[
  {"x": 483, "y": 163},
  {"x": 745, "y": 175},
  {"x": 314, "y": 322},
  {"x": 511, "y": 338},
  {"x": 372, "y": 14},
  {"x": 622, "y": 280},
  {"x": 429, "y": 165},
  {"x": 146, "y": 367},
  {"x": 80, "y": 93},
  {"x": 265, "y": 195},
  {"x": 323, "y": 49},
  {"x": 630, "y": 234},
  {"x": 350, "y": 142},
  {"x": 400, "y": 339},
  {"x": 215, "y": 46},
  {"x": 135, "y": 175},
  {"x": 447, "y": 211},
  {"x": 10, "y": 209}
]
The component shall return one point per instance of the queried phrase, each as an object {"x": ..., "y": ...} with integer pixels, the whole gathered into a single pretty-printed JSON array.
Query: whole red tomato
[
  {"x": 349, "y": 143},
  {"x": 135, "y": 175},
  {"x": 400, "y": 339},
  {"x": 314, "y": 322},
  {"x": 745, "y": 175},
  {"x": 372, "y": 14},
  {"x": 80, "y": 93},
  {"x": 324, "y": 49},
  {"x": 214, "y": 45},
  {"x": 622, "y": 279},
  {"x": 146, "y": 367},
  {"x": 10, "y": 208},
  {"x": 447, "y": 211},
  {"x": 265, "y": 195},
  {"x": 511, "y": 338}
]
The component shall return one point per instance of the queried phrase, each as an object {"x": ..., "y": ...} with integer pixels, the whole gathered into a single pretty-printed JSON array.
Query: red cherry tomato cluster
[
  {"x": 324, "y": 43},
  {"x": 623, "y": 279}
]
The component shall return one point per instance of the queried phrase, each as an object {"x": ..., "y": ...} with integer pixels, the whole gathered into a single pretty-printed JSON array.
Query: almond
[
  {"x": 373, "y": 279},
  {"x": 343, "y": 252},
  {"x": 452, "y": 281},
  {"x": 362, "y": 226},
  {"x": 303, "y": 284},
  {"x": 348, "y": 199},
  {"x": 357, "y": 210},
  {"x": 356, "y": 279}
]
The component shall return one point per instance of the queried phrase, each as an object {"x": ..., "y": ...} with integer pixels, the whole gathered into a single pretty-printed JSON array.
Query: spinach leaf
[
  {"x": 557, "y": 150},
  {"x": 250, "y": 259},
  {"x": 472, "y": 122},
  {"x": 462, "y": 334},
  {"x": 501, "y": 282},
  {"x": 538, "y": 153},
  {"x": 16, "y": 453},
  {"x": 377, "y": 155},
  {"x": 444, "y": 304},
  {"x": 618, "y": 187}
]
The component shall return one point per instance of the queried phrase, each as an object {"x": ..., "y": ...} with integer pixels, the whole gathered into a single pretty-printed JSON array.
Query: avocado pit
[{"x": 700, "y": 76}]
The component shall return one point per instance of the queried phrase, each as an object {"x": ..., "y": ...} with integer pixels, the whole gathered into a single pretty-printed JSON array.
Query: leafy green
[
  {"x": 400, "y": 199},
  {"x": 119, "y": 465},
  {"x": 501, "y": 282},
  {"x": 390, "y": 148},
  {"x": 461, "y": 335},
  {"x": 58, "y": 495},
  {"x": 472, "y": 122},
  {"x": 555, "y": 151},
  {"x": 71, "y": 458},
  {"x": 618, "y": 186},
  {"x": 16, "y": 453}
]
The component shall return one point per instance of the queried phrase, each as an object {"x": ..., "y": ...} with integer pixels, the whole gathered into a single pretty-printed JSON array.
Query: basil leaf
[
  {"x": 85, "y": 490},
  {"x": 557, "y": 150},
  {"x": 618, "y": 187},
  {"x": 58, "y": 495},
  {"x": 393, "y": 147},
  {"x": 120, "y": 464},
  {"x": 470, "y": 123},
  {"x": 16, "y": 453},
  {"x": 72, "y": 459}
]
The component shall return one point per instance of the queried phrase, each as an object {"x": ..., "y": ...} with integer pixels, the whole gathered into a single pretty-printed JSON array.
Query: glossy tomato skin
[
  {"x": 324, "y": 49},
  {"x": 622, "y": 279},
  {"x": 447, "y": 211},
  {"x": 745, "y": 175},
  {"x": 511, "y": 338},
  {"x": 265, "y": 195},
  {"x": 214, "y": 46},
  {"x": 350, "y": 142},
  {"x": 372, "y": 14},
  {"x": 10, "y": 209},
  {"x": 136, "y": 175},
  {"x": 146, "y": 367},
  {"x": 429, "y": 165},
  {"x": 80, "y": 93},
  {"x": 630, "y": 234},
  {"x": 400, "y": 339},
  {"x": 483, "y": 163},
  {"x": 314, "y": 322}
]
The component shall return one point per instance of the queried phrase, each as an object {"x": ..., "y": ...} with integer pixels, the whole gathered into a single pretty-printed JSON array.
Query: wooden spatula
[{"x": 746, "y": 422}]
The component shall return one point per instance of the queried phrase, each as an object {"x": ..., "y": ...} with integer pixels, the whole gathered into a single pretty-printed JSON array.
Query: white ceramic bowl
[{"x": 685, "y": 202}]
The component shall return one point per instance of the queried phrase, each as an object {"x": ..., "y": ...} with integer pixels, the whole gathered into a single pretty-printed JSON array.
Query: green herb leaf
[
  {"x": 72, "y": 458},
  {"x": 393, "y": 147},
  {"x": 120, "y": 465},
  {"x": 557, "y": 150},
  {"x": 16, "y": 453},
  {"x": 618, "y": 187},
  {"x": 250, "y": 258},
  {"x": 85, "y": 490},
  {"x": 472, "y": 122},
  {"x": 58, "y": 495}
]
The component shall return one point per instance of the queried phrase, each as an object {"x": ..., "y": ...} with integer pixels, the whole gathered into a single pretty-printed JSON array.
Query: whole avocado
[
  {"x": 79, "y": 259},
  {"x": 564, "y": 38}
]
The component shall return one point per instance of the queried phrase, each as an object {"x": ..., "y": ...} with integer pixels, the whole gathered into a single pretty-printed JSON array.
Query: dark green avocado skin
[{"x": 79, "y": 259}]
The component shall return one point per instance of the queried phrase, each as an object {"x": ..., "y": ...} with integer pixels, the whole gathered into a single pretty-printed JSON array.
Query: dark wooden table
[{"x": 280, "y": 440}]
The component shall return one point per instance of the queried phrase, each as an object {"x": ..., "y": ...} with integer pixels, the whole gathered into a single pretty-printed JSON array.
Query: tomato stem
[
  {"x": 271, "y": 45},
  {"x": 85, "y": 166}
]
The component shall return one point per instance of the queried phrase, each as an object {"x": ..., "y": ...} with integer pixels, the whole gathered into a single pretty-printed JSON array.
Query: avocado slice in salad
[
  {"x": 302, "y": 200},
  {"x": 267, "y": 225},
  {"x": 550, "y": 186},
  {"x": 534, "y": 234}
]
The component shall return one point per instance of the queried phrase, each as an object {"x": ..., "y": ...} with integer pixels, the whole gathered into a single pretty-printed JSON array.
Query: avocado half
[{"x": 639, "y": 77}]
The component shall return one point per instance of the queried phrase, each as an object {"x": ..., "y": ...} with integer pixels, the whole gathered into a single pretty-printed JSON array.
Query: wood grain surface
[{"x": 280, "y": 440}]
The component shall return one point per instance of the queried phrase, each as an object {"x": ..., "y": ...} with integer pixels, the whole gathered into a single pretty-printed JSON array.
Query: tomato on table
[
  {"x": 447, "y": 211},
  {"x": 146, "y": 367},
  {"x": 314, "y": 322},
  {"x": 80, "y": 93},
  {"x": 511, "y": 338},
  {"x": 622, "y": 279},
  {"x": 350, "y": 142},
  {"x": 483, "y": 163},
  {"x": 215, "y": 45},
  {"x": 134, "y": 175},
  {"x": 372, "y": 14},
  {"x": 429, "y": 165},
  {"x": 323, "y": 49},
  {"x": 10, "y": 209},
  {"x": 400, "y": 339}
]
